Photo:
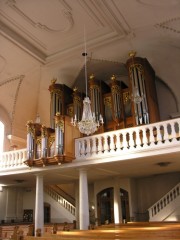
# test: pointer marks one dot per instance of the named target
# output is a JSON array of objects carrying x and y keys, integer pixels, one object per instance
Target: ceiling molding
[
  {"x": 104, "y": 13},
  {"x": 18, "y": 78},
  {"x": 66, "y": 13},
  {"x": 18, "y": 40}
]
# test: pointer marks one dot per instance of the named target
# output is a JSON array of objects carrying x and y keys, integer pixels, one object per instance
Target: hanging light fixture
[{"x": 88, "y": 124}]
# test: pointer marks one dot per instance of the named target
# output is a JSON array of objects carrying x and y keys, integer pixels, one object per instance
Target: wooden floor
[{"x": 154, "y": 231}]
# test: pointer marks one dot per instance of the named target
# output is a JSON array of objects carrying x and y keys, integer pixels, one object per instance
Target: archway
[
  {"x": 1, "y": 137},
  {"x": 124, "y": 197},
  {"x": 105, "y": 206}
]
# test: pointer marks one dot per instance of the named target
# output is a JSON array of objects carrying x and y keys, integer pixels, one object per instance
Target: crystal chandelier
[{"x": 88, "y": 124}]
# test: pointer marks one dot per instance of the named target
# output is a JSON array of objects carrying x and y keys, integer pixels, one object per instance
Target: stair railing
[
  {"x": 164, "y": 201},
  {"x": 62, "y": 201}
]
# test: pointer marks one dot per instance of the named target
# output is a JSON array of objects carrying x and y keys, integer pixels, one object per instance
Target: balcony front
[{"x": 131, "y": 152}]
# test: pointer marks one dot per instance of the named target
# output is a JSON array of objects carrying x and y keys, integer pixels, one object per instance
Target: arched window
[{"x": 1, "y": 136}]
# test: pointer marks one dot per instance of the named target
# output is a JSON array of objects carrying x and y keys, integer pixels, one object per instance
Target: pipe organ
[
  {"x": 143, "y": 90},
  {"x": 116, "y": 99},
  {"x": 122, "y": 105},
  {"x": 61, "y": 95}
]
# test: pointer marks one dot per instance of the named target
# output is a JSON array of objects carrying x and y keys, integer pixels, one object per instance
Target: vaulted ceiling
[{"x": 43, "y": 39}]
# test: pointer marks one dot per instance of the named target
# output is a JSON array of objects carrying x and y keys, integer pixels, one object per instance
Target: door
[
  {"x": 47, "y": 212},
  {"x": 105, "y": 206},
  {"x": 125, "y": 205}
]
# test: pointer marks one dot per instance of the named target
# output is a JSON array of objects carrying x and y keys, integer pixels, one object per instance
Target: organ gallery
[{"x": 120, "y": 104}]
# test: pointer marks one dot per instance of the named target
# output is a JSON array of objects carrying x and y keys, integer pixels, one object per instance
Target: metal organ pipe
[
  {"x": 44, "y": 142},
  {"x": 95, "y": 96},
  {"x": 116, "y": 99},
  {"x": 139, "y": 96},
  {"x": 56, "y": 100},
  {"x": 59, "y": 135},
  {"x": 30, "y": 140}
]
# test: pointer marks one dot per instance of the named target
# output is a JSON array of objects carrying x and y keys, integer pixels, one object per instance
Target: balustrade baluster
[
  {"x": 106, "y": 145},
  {"x": 21, "y": 158},
  {"x": 99, "y": 145},
  {"x": 137, "y": 138},
  {"x": 151, "y": 136},
  {"x": 111, "y": 143},
  {"x": 16, "y": 159},
  {"x": 81, "y": 148},
  {"x": 144, "y": 137},
  {"x": 166, "y": 135},
  {"x": 125, "y": 141},
  {"x": 131, "y": 140},
  {"x": 159, "y": 135},
  {"x": 88, "y": 147},
  {"x": 121, "y": 141},
  {"x": 118, "y": 142},
  {"x": 173, "y": 132},
  {"x": 93, "y": 145}
]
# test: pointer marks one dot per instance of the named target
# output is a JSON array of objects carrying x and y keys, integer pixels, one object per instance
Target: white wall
[
  {"x": 151, "y": 189},
  {"x": 165, "y": 95},
  {"x": 3, "y": 197}
]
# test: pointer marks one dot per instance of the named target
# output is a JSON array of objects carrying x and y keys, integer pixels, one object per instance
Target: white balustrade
[
  {"x": 13, "y": 159},
  {"x": 130, "y": 139},
  {"x": 160, "y": 134}
]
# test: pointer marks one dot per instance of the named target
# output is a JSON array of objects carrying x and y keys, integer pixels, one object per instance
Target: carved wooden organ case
[{"x": 120, "y": 105}]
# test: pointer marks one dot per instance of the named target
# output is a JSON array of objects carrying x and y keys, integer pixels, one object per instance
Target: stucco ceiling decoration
[
  {"x": 57, "y": 10},
  {"x": 2, "y": 63},
  {"x": 104, "y": 13},
  {"x": 13, "y": 92},
  {"x": 170, "y": 25},
  {"x": 156, "y": 3},
  {"x": 107, "y": 27}
]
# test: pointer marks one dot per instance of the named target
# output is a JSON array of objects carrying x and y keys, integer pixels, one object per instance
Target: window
[{"x": 1, "y": 136}]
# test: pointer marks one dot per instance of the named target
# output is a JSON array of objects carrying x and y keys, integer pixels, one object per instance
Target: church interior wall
[
  {"x": 3, "y": 203},
  {"x": 151, "y": 189},
  {"x": 165, "y": 95},
  {"x": 143, "y": 193}
]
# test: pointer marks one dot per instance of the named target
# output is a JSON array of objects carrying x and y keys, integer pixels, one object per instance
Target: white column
[
  {"x": 77, "y": 203},
  {"x": 83, "y": 200},
  {"x": 39, "y": 205},
  {"x": 117, "y": 203}
]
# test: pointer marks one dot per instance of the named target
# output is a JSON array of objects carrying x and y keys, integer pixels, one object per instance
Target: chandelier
[{"x": 88, "y": 124}]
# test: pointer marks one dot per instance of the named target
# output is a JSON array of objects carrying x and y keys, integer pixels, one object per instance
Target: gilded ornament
[
  {"x": 31, "y": 128},
  {"x": 126, "y": 97},
  {"x": 51, "y": 140},
  {"x": 138, "y": 66},
  {"x": 43, "y": 131},
  {"x": 54, "y": 80},
  {"x": 132, "y": 54},
  {"x": 107, "y": 102},
  {"x": 115, "y": 89},
  {"x": 113, "y": 78}
]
